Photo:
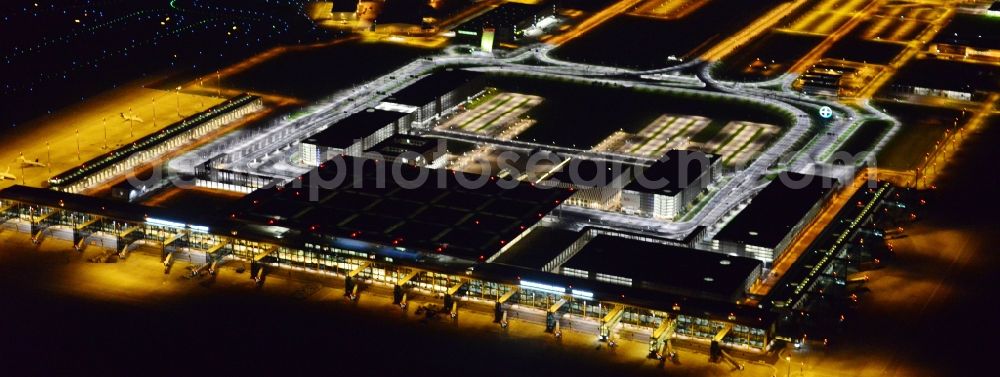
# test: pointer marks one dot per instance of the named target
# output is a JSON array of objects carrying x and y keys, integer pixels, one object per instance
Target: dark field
[
  {"x": 767, "y": 57},
  {"x": 864, "y": 137},
  {"x": 864, "y": 51},
  {"x": 921, "y": 127},
  {"x": 951, "y": 251},
  {"x": 44, "y": 68},
  {"x": 314, "y": 73},
  {"x": 948, "y": 75},
  {"x": 644, "y": 43},
  {"x": 235, "y": 332},
  {"x": 972, "y": 30},
  {"x": 584, "y": 115}
]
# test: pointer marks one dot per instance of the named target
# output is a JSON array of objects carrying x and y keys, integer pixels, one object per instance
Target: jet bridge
[
  {"x": 40, "y": 223},
  {"x": 715, "y": 350},
  {"x": 398, "y": 295},
  {"x": 500, "y": 315},
  {"x": 350, "y": 288},
  {"x": 609, "y": 322},
  {"x": 551, "y": 322},
  {"x": 82, "y": 231},
  {"x": 660, "y": 341}
]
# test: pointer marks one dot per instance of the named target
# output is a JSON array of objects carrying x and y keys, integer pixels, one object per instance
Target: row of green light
[
  {"x": 183, "y": 125},
  {"x": 840, "y": 240},
  {"x": 149, "y": 14},
  {"x": 124, "y": 51}
]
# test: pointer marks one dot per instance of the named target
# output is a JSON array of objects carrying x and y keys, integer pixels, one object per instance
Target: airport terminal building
[{"x": 443, "y": 237}]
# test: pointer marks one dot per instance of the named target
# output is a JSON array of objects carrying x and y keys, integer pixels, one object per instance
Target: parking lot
[
  {"x": 736, "y": 142},
  {"x": 494, "y": 115}
]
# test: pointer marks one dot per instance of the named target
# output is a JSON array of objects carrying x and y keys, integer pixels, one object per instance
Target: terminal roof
[
  {"x": 585, "y": 173},
  {"x": 397, "y": 145},
  {"x": 678, "y": 168},
  {"x": 432, "y": 87},
  {"x": 972, "y": 30},
  {"x": 457, "y": 214},
  {"x": 357, "y": 126},
  {"x": 538, "y": 247},
  {"x": 776, "y": 209},
  {"x": 666, "y": 268}
]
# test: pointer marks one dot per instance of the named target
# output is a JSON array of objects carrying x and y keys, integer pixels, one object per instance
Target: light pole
[
  {"x": 789, "y": 360},
  {"x": 48, "y": 153},
  {"x": 22, "y": 168},
  {"x": 131, "y": 119},
  {"x": 218, "y": 76},
  {"x": 104, "y": 123},
  {"x": 177, "y": 93},
  {"x": 154, "y": 112},
  {"x": 78, "y": 144}
]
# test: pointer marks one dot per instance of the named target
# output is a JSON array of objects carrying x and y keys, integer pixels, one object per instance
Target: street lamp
[
  {"x": 78, "y": 144},
  {"x": 154, "y": 111},
  {"x": 131, "y": 119},
  {"x": 48, "y": 152},
  {"x": 789, "y": 360}
]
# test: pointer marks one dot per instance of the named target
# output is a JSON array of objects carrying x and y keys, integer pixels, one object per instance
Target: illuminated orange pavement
[
  {"x": 593, "y": 21},
  {"x": 75, "y": 134},
  {"x": 929, "y": 171},
  {"x": 667, "y": 9},
  {"x": 912, "y": 48},
  {"x": 751, "y": 31},
  {"x": 807, "y": 61}
]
